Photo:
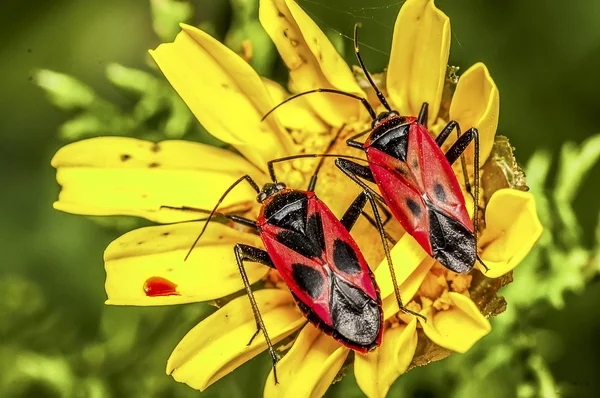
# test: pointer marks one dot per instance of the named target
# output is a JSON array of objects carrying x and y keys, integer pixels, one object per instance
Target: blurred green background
[{"x": 57, "y": 339}]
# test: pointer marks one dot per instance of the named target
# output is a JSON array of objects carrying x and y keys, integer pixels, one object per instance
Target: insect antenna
[
  {"x": 365, "y": 103},
  {"x": 313, "y": 179},
  {"x": 246, "y": 178},
  {"x": 364, "y": 68},
  {"x": 308, "y": 155}
]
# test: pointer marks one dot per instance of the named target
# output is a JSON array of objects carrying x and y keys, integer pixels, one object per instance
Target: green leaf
[
  {"x": 130, "y": 79},
  {"x": 166, "y": 16},
  {"x": 80, "y": 126},
  {"x": 575, "y": 164},
  {"x": 538, "y": 168},
  {"x": 64, "y": 91},
  {"x": 180, "y": 119},
  {"x": 246, "y": 36}
]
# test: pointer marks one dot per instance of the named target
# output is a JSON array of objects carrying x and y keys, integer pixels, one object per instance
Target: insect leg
[
  {"x": 246, "y": 178},
  {"x": 374, "y": 223},
  {"x": 236, "y": 219},
  {"x": 249, "y": 253},
  {"x": 351, "y": 141},
  {"x": 348, "y": 166},
  {"x": 441, "y": 138},
  {"x": 354, "y": 170},
  {"x": 422, "y": 119},
  {"x": 356, "y": 209},
  {"x": 452, "y": 155},
  {"x": 443, "y": 135},
  {"x": 367, "y": 191},
  {"x": 353, "y": 212},
  {"x": 313, "y": 179}
]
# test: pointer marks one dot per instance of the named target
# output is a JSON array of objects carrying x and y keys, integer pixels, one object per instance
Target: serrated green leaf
[
  {"x": 566, "y": 275},
  {"x": 575, "y": 163}
]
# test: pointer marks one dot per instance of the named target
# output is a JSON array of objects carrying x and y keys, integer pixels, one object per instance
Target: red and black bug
[
  {"x": 415, "y": 177},
  {"x": 316, "y": 257}
]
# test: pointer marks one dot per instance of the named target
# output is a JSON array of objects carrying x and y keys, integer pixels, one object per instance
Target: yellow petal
[
  {"x": 309, "y": 368},
  {"x": 408, "y": 288},
  {"x": 476, "y": 103},
  {"x": 297, "y": 114},
  {"x": 135, "y": 260},
  {"x": 420, "y": 49},
  {"x": 457, "y": 328},
  {"x": 407, "y": 255},
  {"x": 225, "y": 93},
  {"x": 377, "y": 371},
  {"x": 512, "y": 229},
  {"x": 311, "y": 58},
  {"x": 218, "y": 344},
  {"x": 126, "y": 176}
]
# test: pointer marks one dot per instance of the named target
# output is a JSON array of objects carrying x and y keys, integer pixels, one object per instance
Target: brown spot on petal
[
  {"x": 125, "y": 157},
  {"x": 155, "y": 147},
  {"x": 153, "y": 165}
]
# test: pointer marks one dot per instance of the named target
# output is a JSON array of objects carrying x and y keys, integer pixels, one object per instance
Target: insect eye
[
  {"x": 280, "y": 186},
  {"x": 261, "y": 197}
]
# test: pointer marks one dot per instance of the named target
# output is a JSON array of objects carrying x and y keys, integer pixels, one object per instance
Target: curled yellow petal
[
  {"x": 407, "y": 255},
  {"x": 309, "y": 368},
  {"x": 458, "y": 327},
  {"x": 218, "y": 344},
  {"x": 126, "y": 176},
  {"x": 408, "y": 288},
  {"x": 512, "y": 228},
  {"x": 225, "y": 94},
  {"x": 476, "y": 103},
  {"x": 420, "y": 49},
  {"x": 146, "y": 266},
  {"x": 297, "y": 114},
  {"x": 311, "y": 58},
  {"x": 376, "y": 371}
]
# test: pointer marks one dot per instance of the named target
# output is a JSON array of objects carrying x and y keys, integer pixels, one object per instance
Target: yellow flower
[{"x": 125, "y": 176}]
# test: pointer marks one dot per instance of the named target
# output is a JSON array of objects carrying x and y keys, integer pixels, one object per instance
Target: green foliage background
[{"x": 74, "y": 69}]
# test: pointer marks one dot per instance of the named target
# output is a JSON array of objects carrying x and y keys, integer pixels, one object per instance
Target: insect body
[
  {"x": 323, "y": 267},
  {"x": 418, "y": 184},
  {"x": 316, "y": 257},
  {"x": 415, "y": 177}
]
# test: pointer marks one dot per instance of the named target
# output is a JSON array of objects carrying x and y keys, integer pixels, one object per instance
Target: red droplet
[{"x": 158, "y": 286}]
